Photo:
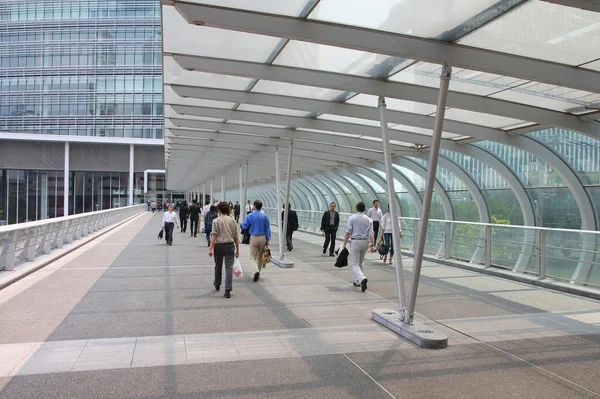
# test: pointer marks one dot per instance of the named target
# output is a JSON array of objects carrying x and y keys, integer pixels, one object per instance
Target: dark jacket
[
  {"x": 326, "y": 220},
  {"x": 236, "y": 209},
  {"x": 342, "y": 259},
  {"x": 208, "y": 219},
  {"x": 194, "y": 212},
  {"x": 292, "y": 224},
  {"x": 184, "y": 212}
]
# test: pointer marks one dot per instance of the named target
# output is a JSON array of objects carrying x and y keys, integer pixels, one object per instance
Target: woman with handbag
[
  {"x": 225, "y": 245},
  {"x": 386, "y": 229}
]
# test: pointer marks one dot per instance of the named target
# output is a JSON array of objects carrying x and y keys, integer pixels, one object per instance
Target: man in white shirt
[
  {"x": 360, "y": 229},
  {"x": 169, "y": 222},
  {"x": 375, "y": 215}
]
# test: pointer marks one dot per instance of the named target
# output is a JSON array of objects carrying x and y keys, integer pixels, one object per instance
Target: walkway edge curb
[{"x": 20, "y": 274}]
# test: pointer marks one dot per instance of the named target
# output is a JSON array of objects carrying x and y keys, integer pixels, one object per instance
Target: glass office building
[
  {"x": 82, "y": 67},
  {"x": 90, "y": 68}
]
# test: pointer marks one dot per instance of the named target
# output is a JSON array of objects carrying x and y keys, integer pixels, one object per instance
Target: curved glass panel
[
  {"x": 481, "y": 173},
  {"x": 464, "y": 206},
  {"x": 579, "y": 151},
  {"x": 361, "y": 190},
  {"x": 504, "y": 207},
  {"x": 408, "y": 208},
  {"x": 416, "y": 180},
  {"x": 532, "y": 171},
  {"x": 447, "y": 179},
  {"x": 555, "y": 208},
  {"x": 397, "y": 184}
]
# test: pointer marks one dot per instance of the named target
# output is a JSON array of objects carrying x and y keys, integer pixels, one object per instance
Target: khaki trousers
[
  {"x": 358, "y": 250},
  {"x": 257, "y": 251}
]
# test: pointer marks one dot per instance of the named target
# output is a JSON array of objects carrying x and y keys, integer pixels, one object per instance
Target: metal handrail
[
  {"x": 542, "y": 251},
  {"x": 24, "y": 242}
]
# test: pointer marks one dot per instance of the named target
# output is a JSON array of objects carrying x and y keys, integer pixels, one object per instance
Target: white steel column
[
  {"x": 242, "y": 193},
  {"x": 287, "y": 194},
  {"x": 223, "y": 189},
  {"x": 245, "y": 191},
  {"x": 212, "y": 193},
  {"x": 278, "y": 202},
  {"x": 131, "y": 171},
  {"x": 66, "y": 180},
  {"x": 394, "y": 213},
  {"x": 433, "y": 159},
  {"x": 203, "y": 195}
]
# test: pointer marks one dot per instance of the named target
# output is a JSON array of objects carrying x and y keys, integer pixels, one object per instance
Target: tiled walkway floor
[{"x": 127, "y": 316}]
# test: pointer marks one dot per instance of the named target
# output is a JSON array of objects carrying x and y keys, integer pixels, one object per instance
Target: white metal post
[
  {"x": 212, "y": 193},
  {"x": 287, "y": 194},
  {"x": 245, "y": 191},
  {"x": 131, "y": 171},
  {"x": 66, "y": 180},
  {"x": 433, "y": 159},
  {"x": 223, "y": 189},
  {"x": 278, "y": 201},
  {"x": 203, "y": 195},
  {"x": 394, "y": 213},
  {"x": 241, "y": 192}
]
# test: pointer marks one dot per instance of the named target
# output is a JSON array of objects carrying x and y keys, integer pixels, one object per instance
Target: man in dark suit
[
  {"x": 292, "y": 225},
  {"x": 236, "y": 211},
  {"x": 184, "y": 213},
  {"x": 329, "y": 226},
  {"x": 194, "y": 217}
]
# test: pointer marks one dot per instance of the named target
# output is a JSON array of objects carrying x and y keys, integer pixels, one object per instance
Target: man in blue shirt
[{"x": 258, "y": 225}]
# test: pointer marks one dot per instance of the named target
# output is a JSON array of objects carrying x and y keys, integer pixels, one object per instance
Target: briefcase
[
  {"x": 160, "y": 234},
  {"x": 267, "y": 256}
]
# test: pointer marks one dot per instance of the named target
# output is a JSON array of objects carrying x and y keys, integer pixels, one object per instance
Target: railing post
[
  {"x": 60, "y": 234},
  {"x": 542, "y": 251},
  {"x": 30, "y": 244},
  {"x": 447, "y": 239},
  {"x": 488, "y": 246},
  {"x": 415, "y": 234},
  {"x": 10, "y": 252},
  {"x": 47, "y": 242}
]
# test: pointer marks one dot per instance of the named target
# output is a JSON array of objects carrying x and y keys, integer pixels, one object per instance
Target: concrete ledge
[
  {"x": 418, "y": 333},
  {"x": 13, "y": 276},
  {"x": 283, "y": 263}
]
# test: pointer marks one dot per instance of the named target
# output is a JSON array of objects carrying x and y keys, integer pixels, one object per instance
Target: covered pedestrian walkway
[{"x": 127, "y": 316}]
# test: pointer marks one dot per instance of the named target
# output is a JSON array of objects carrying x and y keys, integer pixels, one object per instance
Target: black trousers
[
  {"x": 169, "y": 232},
  {"x": 224, "y": 253},
  {"x": 194, "y": 226},
  {"x": 237, "y": 217},
  {"x": 183, "y": 223},
  {"x": 375, "y": 229},
  {"x": 330, "y": 233},
  {"x": 288, "y": 239}
]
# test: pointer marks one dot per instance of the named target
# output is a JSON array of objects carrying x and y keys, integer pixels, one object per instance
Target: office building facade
[{"x": 80, "y": 88}]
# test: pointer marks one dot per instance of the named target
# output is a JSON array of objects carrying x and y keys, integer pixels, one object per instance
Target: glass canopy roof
[{"x": 312, "y": 70}]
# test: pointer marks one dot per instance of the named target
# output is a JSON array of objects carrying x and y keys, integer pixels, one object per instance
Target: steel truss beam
[
  {"x": 335, "y": 108},
  {"x": 392, "y": 44},
  {"x": 404, "y": 91}
]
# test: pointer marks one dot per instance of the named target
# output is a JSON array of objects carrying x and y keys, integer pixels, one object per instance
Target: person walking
[
  {"x": 225, "y": 244},
  {"x": 330, "y": 222},
  {"x": 236, "y": 211},
  {"x": 194, "y": 214},
  {"x": 386, "y": 230},
  {"x": 153, "y": 206},
  {"x": 360, "y": 229},
  {"x": 375, "y": 215},
  {"x": 208, "y": 220},
  {"x": 184, "y": 214},
  {"x": 292, "y": 225},
  {"x": 248, "y": 208},
  {"x": 258, "y": 225},
  {"x": 148, "y": 206},
  {"x": 169, "y": 221}
]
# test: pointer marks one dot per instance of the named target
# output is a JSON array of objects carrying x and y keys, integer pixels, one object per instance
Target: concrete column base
[
  {"x": 418, "y": 333},
  {"x": 283, "y": 263}
]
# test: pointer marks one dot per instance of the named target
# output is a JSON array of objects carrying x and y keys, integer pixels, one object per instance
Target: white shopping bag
[{"x": 237, "y": 268}]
